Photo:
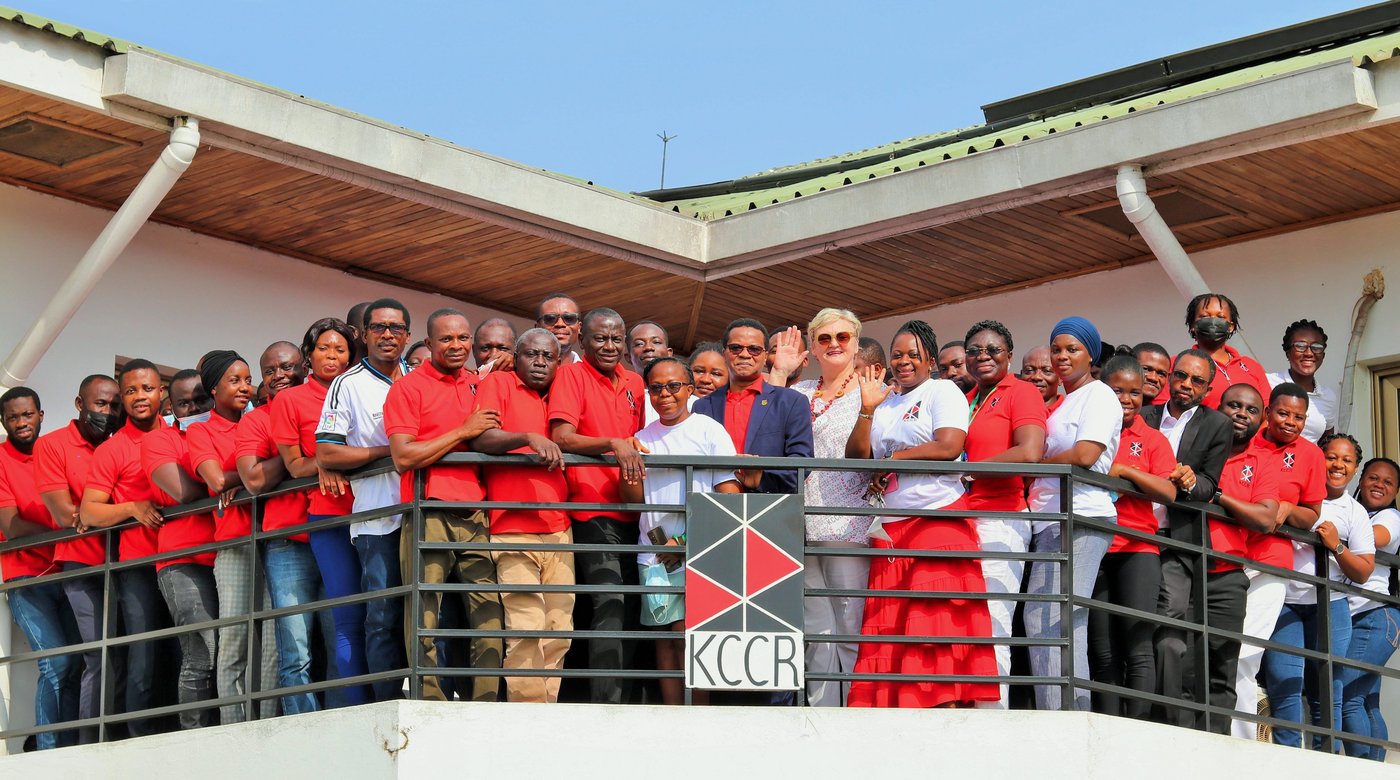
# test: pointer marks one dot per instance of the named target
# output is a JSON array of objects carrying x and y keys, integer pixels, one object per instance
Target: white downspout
[
  {"x": 1142, "y": 212},
  {"x": 152, "y": 189}
]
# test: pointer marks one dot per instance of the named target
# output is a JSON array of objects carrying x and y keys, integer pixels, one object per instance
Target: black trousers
[
  {"x": 86, "y": 598},
  {"x": 148, "y": 664},
  {"x": 1178, "y": 672},
  {"x": 611, "y": 611},
  {"x": 1120, "y": 648}
]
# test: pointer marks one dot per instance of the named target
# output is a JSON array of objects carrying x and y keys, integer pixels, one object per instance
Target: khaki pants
[
  {"x": 536, "y": 611},
  {"x": 483, "y": 609}
]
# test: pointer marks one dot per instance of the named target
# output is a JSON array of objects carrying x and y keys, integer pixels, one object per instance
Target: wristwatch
[
  {"x": 1340, "y": 548},
  {"x": 1215, "y": 499}
]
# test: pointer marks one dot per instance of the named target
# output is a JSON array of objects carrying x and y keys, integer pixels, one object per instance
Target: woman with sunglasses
[
  {"x": 1375, "y": 626},
  {"x": 1007, "y": 426},
  {"x": 834, "y": 402},
  {"x": 927, "y": 420},
  {"x": 1305, "y": 346}
]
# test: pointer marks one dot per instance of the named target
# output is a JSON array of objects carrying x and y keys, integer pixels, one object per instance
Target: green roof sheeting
[{"x": 115, "y": 45}]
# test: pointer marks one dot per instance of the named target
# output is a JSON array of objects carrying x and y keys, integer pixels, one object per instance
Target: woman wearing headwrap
[
  {"x": 213, "y": 453},
  {"x": 1082, "y": 431}
]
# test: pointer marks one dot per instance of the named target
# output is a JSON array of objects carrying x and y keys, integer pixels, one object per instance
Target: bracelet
[{"x": 864, "y": 416}]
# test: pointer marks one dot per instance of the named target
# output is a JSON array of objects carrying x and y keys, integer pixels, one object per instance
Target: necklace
[{"x": 812, "y": 407}]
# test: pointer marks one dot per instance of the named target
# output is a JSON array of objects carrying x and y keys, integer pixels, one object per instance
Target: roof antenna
[{"x": 665, "y": 139}]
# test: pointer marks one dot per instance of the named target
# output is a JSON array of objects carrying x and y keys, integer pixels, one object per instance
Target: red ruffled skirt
[{"x": 889, "y": 616}]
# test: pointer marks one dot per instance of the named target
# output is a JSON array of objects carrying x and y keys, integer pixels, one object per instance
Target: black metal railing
[{"x": 1197, "y": 627}]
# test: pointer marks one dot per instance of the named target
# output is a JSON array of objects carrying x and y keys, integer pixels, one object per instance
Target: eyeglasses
[
  {"x": 670, "y": 387},
  {"x": 569, "y": 318},
  {"x": 842, "y": 338},
  {"x": 396, "y": 328},
  {"x": 990, "y": 352},
  {"x": 1315, "y": 347},
  {"x": 1196, "y": 381},
  {"x": 754, "y": 350}
]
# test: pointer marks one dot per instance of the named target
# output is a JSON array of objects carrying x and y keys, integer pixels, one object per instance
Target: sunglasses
[
  {"x": 671, "y": 387},
  {"x": 569, "y": 318},
  {"x": 990, "y": 352},
  {"x": 842, "y": 338},
  {"x": 396, "y": 328},
  {"x": 1316, "y": 347},
  {"x": 754, "y": 350},
  {"x": 1196, "y": 381}
]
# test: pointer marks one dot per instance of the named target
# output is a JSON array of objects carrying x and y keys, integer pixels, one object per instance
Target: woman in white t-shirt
[
  {"x": 676, "y": 432},
  {"x": 1305, "y": 346},
  {"x": 927, "y": 420},
  {"x": 1375, "y": 626},
  {"x": 1344, "y": 529},
  {"x": 1083, "y": 431}
]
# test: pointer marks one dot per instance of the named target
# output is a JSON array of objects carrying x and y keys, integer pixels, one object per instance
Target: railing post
[
  {"x": 415, "y": 672},
  {"x": 1200, "y": 613},
  {"x": 685, "y": 499},
  {"x": 107, "y": 689},
  {"x": 1067, "y": 590},
  {"x": 254, "y": 663},
  {"x": 1325, "y": 671}
]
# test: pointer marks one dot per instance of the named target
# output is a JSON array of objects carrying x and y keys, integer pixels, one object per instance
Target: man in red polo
[
  {"x": 1212, "y": 319},
  {"x": 595, "y": 408},
  {"x": 519, "y": 397},
  {"x": 428, "y": 414},
  {"x": 61, "y": 462}
]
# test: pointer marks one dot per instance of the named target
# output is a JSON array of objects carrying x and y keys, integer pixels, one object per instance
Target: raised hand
[{"x": 873, "y": 390}]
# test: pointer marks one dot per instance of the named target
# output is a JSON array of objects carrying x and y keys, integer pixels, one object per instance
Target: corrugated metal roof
[
  {"x": 1362, "y": 53},
  {"x": 114, "y": 45}
]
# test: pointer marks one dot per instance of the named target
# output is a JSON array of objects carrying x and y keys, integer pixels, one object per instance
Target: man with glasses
[
  {"x": 350, "y": 436},
  {"x": 558, "y": 313},
  {"x": 1200, "y": 437}
]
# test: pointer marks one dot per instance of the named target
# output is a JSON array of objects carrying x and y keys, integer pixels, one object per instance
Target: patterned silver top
[{"x": 835, "y": 488}]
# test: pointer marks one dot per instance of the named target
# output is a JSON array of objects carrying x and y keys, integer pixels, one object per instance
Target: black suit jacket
[{"x": 1205, "y": 446}]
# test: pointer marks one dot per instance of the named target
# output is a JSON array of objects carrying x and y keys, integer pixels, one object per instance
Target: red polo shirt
[
  {"x": 19, "y": 490},
  {"x": 216, "y": 439},
  {"x": 1145, "y": 449},
  {"x": 1238, "y": 369},
  {"x": 116, "y": 471},
  {"x": 61, "y": 462},
  {"x": 165, "y": 446},
  {"x": 1302, "y": 479},
  {"x": 425, "y": 404},
  {"x": 296, "y": 412},
  {"x": 1246, "y": 477},
  {"x": 584, "y": 398},
  {"x": 522, "y": 411},
  {"x": 738, "y": 408},
  {"x": 254, "y": 439},
  {"x": 1012, "y": 404}
]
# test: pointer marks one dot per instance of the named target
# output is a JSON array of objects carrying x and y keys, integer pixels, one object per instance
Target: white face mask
[
  {"x": 168, "y": 419},
  {"x": 186, "y": 422}
]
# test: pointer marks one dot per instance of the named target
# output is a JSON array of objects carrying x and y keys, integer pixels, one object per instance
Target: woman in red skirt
[{"x": 927, "y": 420}]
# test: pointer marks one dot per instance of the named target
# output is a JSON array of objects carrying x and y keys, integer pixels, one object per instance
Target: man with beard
[
  {"x": 428, "y": 414},
  {"x": 519, "y": 398},
  {"x": 41, "y": 611},
  {"x": 595, "y": 408},
  {"x": 558, "y": 313},
  {"x": 952, "y": 365},
  {"x": 1212, "y": 320},
  {"x": 1200, "y": 437},
  {"x": 1156, "y": 368},
  {"x": 1036, "y": 369},
  {"x": 61, "y": 462}
]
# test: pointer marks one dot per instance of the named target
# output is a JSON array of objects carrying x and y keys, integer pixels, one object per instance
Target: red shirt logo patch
[
  {"x": 1136, "y": 449},
  {"x": 1287, "y": 461},
  {"x": 1247, "y": 475}
]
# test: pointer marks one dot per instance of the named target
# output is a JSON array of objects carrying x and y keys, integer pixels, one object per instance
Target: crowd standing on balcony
[{"x": 1206, "y": 424}]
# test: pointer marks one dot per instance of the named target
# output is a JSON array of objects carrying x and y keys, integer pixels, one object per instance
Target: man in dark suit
[
  {"x": 1201, "y": 438},
  {"x": 762, "y": 419}
]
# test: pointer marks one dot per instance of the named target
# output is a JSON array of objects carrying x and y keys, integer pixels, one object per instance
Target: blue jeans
[
  {"x": 1042, "y": 618},
  {"x": 1288, "y": 679},
  {"x": 292, "y": 580},
  {"x": 384, "y": 647},
  {"x": 1375, "y": 634},
  {"x": 340, "y": 573},
  {"x": 43, "y": 614}
]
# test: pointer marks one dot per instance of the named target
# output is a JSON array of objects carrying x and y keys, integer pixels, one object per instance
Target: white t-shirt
[
  {"x": 1379, "y": 581},
  {"x": 909, "y": 420},
  {"x": 1353, "y": 527},
  {"x": 695, "y": 435},
  {"x": 353, "y": 414},
  {"x": 1091, "y": 413},
  {"x": 1322, "y": 406}
]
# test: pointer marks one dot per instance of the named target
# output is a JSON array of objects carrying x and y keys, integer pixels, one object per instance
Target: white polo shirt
[{"x": 353, "y": 414}]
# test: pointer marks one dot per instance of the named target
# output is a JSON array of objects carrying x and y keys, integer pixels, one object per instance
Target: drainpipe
[
  {"x": 1142, "y": 212},
  {"x": 174, "y": 160}
]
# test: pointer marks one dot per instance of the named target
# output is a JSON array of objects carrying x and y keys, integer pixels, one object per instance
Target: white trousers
[
  {"x": 1262, "y": 607},
  {"x": 1002, "y": 576},
  {"x": 832, "y": 615}
]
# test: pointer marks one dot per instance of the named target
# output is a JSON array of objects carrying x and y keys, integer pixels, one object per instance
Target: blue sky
[{"x": 584, "y": 87}]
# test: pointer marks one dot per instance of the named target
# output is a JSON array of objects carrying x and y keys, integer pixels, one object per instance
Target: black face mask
[
  {"x": 1214, "y": 330},
  {"x": 98, "y": 425}
]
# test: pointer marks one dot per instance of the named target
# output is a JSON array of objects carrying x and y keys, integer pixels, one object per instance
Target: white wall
[{"x": 171, "y": 297}]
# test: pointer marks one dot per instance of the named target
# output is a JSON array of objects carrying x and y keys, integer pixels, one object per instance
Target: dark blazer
[
  {"x": 780, "y": 425},
  {"x": 1205, "y": 446}
]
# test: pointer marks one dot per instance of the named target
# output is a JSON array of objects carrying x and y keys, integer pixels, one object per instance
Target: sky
[{"x": 584, "y": 88}]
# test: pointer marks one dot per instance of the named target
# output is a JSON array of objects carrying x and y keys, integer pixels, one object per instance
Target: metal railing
[{"x": 411, "y": 592}]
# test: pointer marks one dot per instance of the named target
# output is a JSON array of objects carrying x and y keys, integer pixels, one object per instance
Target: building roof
[{"x": 80, "y": 34}]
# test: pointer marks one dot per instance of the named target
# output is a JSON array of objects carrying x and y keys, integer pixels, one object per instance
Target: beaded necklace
[{"x": 812, "y": 407}]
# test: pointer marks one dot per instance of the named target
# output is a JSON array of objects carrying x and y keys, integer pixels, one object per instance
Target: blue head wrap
[{"x": 1083, "y": 331}]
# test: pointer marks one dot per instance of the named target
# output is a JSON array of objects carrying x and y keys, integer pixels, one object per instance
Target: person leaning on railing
[
  {"x": 1375, "y": 626},
  {"x": 927, "y": 420},
  {"x": 1344, "y": 529}
]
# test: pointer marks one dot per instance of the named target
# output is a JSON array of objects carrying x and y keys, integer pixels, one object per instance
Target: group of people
[{"x": 1205, "y": 425}]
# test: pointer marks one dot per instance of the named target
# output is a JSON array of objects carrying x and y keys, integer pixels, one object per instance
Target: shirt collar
[
  {"x": 1175, "y": 421},
  {"x": 12, "y": 451},
  {"x": 432, "y": 371},
  {"x": 75, "y": 437},
  {"x": 754, "y": 389}
]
